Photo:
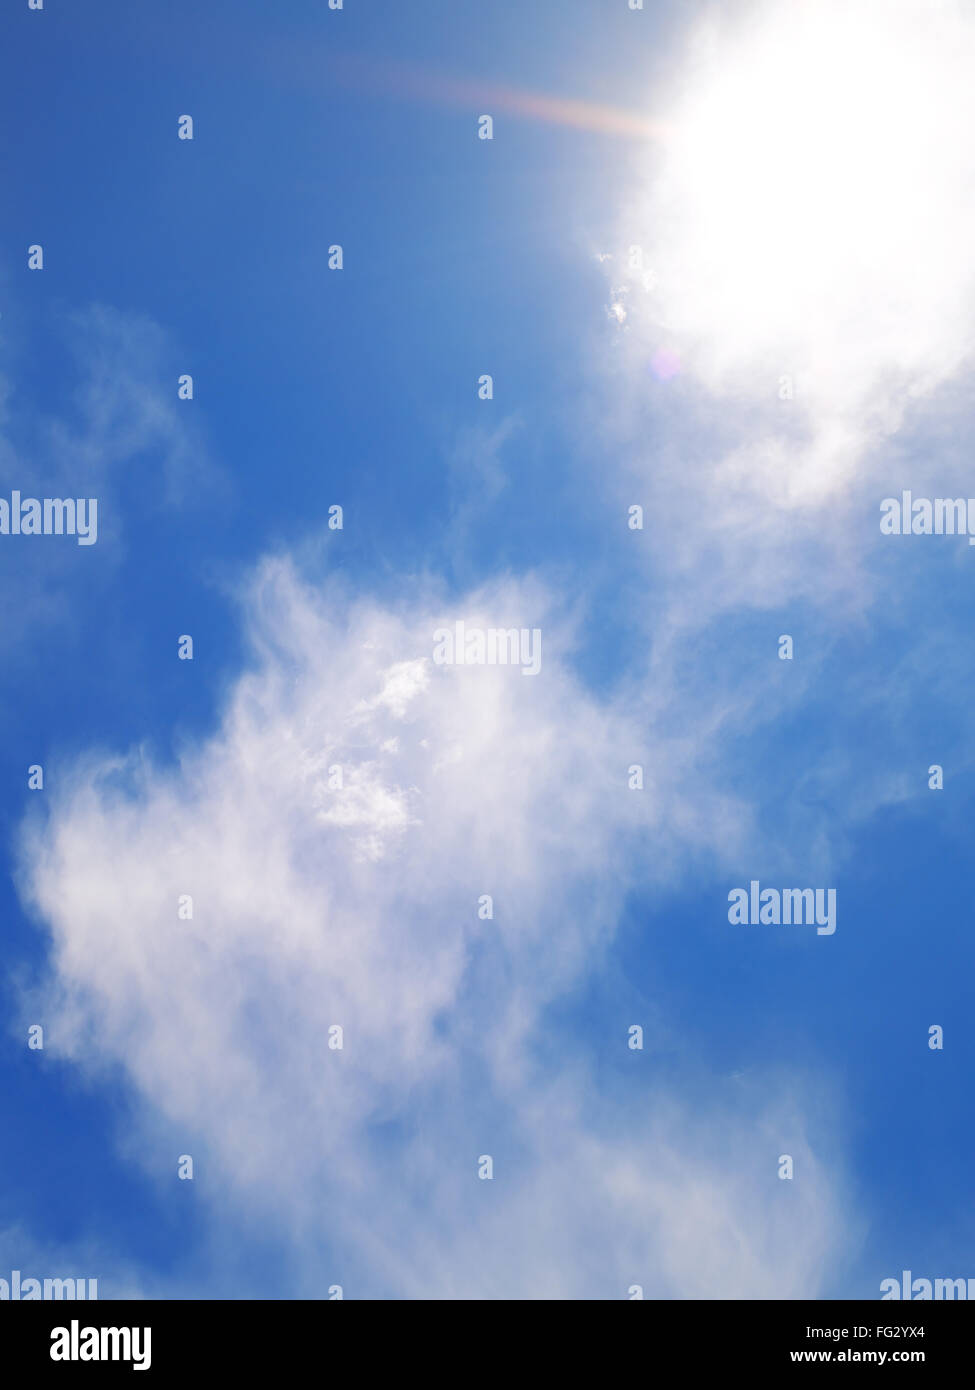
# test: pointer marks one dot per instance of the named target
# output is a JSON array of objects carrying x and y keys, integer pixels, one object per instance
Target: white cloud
[
  {"x": 314, "y": 907},
  {"x": 122, "y": 420}
]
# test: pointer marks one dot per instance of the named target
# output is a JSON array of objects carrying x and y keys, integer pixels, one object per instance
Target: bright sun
[{"x": 816, "y": 200}]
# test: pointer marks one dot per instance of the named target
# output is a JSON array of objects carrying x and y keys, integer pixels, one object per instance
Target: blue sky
[{"x": 764, "y": 255}]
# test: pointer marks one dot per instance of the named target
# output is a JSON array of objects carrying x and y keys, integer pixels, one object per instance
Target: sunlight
[{"x": 815, "y": 199}]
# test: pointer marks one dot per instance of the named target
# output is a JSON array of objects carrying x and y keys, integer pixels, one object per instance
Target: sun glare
[{"x": 816, "y": 197}]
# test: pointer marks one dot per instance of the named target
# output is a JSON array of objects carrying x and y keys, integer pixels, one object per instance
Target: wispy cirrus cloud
[
  {"x": 120, "y": 431},
  {"x": 357, "y": 905}
]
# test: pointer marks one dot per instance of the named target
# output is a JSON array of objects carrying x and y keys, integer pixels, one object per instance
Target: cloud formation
[{"x": 316, "y": 906}]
